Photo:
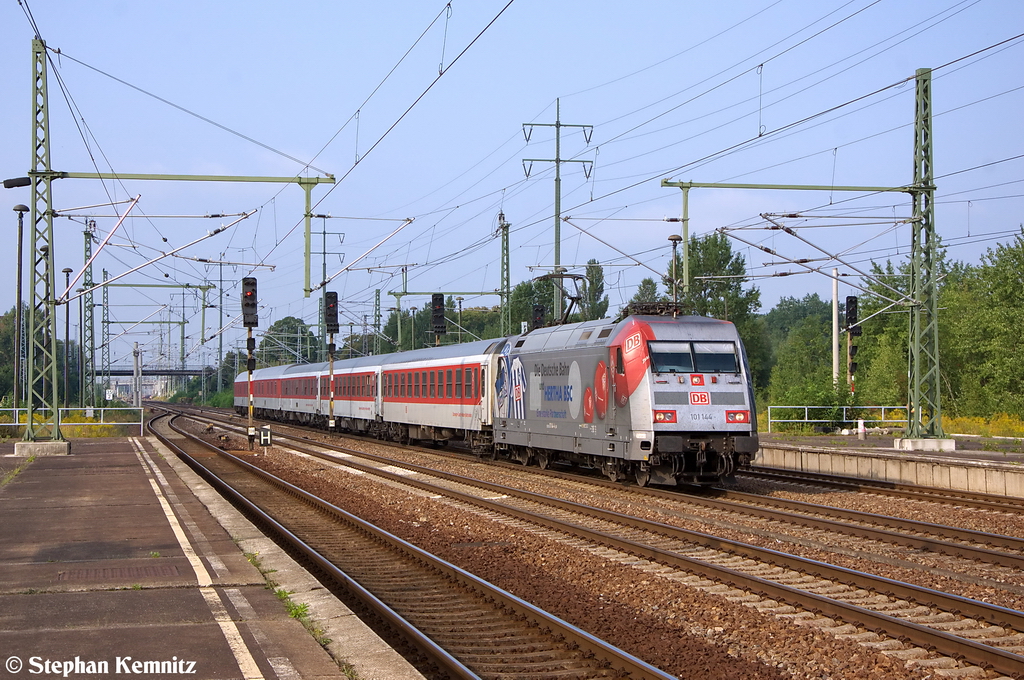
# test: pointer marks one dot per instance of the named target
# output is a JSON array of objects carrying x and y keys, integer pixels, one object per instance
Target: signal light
[
  {"x": 250, "y": 316},
  {"x": 331, "y": 312},
  {"x": 851, "y": 315},
  {"x": 737, "y": 416},
  {"x": 538, "y": 316},
  {"x": 437, "y": 314},
  {"x": 664, "y": 416}
]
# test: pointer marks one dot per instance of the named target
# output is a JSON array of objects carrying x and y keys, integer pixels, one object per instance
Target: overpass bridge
[{"x": 162, "y": 372}]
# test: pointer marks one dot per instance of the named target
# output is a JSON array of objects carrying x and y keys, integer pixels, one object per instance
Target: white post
[{"x": 835, "y": 327}]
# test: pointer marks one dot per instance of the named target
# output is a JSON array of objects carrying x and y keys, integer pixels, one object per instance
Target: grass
[
  {"x": 299, "y": 612},
  {"x": 16, "y": 471},
  {"x": 998, "y": 425}
]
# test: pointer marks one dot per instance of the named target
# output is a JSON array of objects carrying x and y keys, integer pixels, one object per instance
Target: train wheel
[
  {"x": 542, "y": 459},
  {"x": 643, "y": 477}
]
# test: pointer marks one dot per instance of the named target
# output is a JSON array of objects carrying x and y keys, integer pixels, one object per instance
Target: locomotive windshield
[
  {"x": 671, "y": 357},
  {"x": 696, "y": 357},
  {"x": 715, "y": 357}
]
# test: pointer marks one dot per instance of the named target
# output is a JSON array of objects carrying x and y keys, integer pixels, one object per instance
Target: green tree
[
  {"x": 594, "y": 303},
  {"x": 647, "y": 291},
  {"x": 716, "y": 289},
  {"x": 525, "y": 295},
  {"x": 980, "y": 335},
  {"x": 288, "y": 341}
]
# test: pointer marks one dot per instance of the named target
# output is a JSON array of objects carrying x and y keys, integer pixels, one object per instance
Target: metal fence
[
  {"x": 80, "y": 417},
  {"x": 850, "y": 414}
]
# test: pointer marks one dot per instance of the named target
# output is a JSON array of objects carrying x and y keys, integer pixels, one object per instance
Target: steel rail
[
  {"x": 933, "y": 494},
  {"x": 429, "y": 648},
  {"x": 939, "y": 545},
  {"x": 617, "y": 658},
  {"x": 946, "y": 643}
]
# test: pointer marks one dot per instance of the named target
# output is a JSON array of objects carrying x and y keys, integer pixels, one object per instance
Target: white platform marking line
[
  {"x": 243, "y": 657},
  {"x": 214, "y": 560},
  {"x": 282, "y": 665}
]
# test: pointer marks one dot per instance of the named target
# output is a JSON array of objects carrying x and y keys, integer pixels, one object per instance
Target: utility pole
[
  {"x": 506, "y": 278},
  {"x": 588, "y": 130},
  {"x": 88, "y": 325},
  {"x": 41, "y": 332},
  {"x": 925, "y": 417},
  {"x": 685, "y": 219}
]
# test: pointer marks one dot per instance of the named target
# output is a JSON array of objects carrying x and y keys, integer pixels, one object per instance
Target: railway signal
[
  {"x": 538, "y": 316},
  {"x": 437, "y": 314},
  {"x": 851, "y": 315},
  {"x": 250, "y": 314},
  {"x": 331, "y": 312},
  {"x": 852, "y": 330}
]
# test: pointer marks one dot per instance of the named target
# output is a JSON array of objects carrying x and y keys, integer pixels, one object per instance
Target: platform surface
[{"x": 110, "y": 565}]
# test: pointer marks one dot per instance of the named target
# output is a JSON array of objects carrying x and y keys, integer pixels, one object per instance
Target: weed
[
  {"x": 136, "y": 586},
  {"x": 154, "y": 553},
  {"x": 16, "y": 471}
]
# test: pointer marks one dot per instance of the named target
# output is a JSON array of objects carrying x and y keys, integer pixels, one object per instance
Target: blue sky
[{"x": 786, "y": 92}]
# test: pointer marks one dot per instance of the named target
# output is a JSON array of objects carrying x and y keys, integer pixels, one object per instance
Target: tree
[
  {"x": 287, "y": 341},
  {"x": 647, "y": 291},
  {"x": 716, "y": 290},
  {"x": 593, "y": 305},
  {"x": 716, "y": 281},
  {"x": 789, "y": 312},
  {"x": 980, "y": 333},
  {"x": 525, "y": 295}
]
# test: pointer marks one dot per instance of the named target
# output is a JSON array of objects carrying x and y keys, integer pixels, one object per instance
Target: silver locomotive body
[{"x": 665, "y": 399}]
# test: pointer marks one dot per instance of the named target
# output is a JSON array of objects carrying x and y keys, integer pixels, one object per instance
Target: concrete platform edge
[
  {"x": 996, "y": 478},
  {"x": 352, "y": 641}
]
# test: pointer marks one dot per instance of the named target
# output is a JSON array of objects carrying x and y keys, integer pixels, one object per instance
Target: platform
[
  {"x": 112, "y": 565},
  {"x": 971, "y": 467}
]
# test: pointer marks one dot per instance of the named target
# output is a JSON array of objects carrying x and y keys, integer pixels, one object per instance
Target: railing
[
  {"x": 860, "y": 411},
  {"x": 10, "y": 417}
]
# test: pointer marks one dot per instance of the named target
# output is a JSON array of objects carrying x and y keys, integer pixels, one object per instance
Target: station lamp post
[
  {"x": 459, "y": 300},
  {"x": 21, "y": 210},
  {"x": 67, "y": 330},
  {"x": 675, "y": 239},
  {"x": 412, "y": 340}
]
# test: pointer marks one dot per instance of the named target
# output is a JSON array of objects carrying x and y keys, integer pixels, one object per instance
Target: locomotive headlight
[
  {"x": 664, "y": 416},
  {"x": 737, "y": 416}
]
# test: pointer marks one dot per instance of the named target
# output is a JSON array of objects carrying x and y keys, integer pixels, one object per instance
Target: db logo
[
  {"x": 700, "y": 398},
  {"x": 633, "y": 342}
]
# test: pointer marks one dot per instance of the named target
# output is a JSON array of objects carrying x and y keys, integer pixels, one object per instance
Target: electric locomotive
[{"x": 664, "y": 399}]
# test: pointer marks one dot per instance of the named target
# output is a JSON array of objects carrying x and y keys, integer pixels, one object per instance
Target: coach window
[
  {"x": 432, "y": 393},
  {"x": 401, "y": 387},
  {"x": 469, "y": 383},
  {"x": 458, "y": 383},
  {"x": 416, "y": 384},
  {"x": 448, "y": 384}
]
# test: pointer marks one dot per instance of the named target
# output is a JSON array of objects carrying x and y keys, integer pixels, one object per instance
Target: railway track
[
  {"x": 812, "y": 480},
  {"x": 465, "y": 626},
  {"x": 851, "y": 603}
]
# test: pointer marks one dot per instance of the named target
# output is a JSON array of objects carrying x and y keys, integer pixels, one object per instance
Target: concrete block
[
  {"x": 50, "y": 448},
  {"x": 924, "y": 444},
  {"x": 976, "y": 480},
  {"x": 1015, "y": 484},
  {"x": 995, "y": 481},
  {"x": 958, "y": 479}
]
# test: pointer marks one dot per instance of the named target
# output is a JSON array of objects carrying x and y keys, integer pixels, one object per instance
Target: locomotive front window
[
  {"x": 670, "y": 357},
  {"x": 716, "y": 357}
]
